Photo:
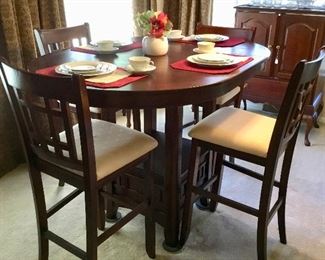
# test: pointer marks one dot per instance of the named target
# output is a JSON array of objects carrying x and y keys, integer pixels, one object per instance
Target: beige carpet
[{"x": 226, "y": 234}]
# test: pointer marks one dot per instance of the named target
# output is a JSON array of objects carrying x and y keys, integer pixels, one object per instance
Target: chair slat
[
  {"x": 50, "y": 40},
  {"x": 69, "y": 131}
]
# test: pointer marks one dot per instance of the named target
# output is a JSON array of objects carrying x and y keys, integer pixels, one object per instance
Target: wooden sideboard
[{"x": 291, "y": 35}]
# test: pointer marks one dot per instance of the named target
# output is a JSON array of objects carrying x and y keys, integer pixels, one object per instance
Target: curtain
[
  {"x": 19, "y": 17},
  {"x": 185, "y": 14},
  {"x": 17, "y": 20}
]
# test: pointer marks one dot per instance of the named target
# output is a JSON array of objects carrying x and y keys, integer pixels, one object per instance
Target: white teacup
[
  {"x": 205, "y": 46},
  {"x": 105, "y": 45},
  {"x": 175, "y": 33},
  {"x": 140, "y": 63}
]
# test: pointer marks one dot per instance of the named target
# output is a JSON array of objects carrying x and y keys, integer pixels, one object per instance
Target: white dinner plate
[
  {"x": 194, "y": 60},
  {"x": 95, "y": 68},
  {"x": 211, "y": 37},
  {"x": 215, "y": 58},
  {"x": 82, "y": 68},
  {"x": 146, "y": 71}
]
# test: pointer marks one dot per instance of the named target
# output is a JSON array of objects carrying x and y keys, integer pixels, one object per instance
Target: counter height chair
[
  {"x": 233, "y": 96},
  {"x": 50, "y": 40},
  {"x": 247, "y": 34},
  {"x": 257, "y": 139},
  {"x": 88, "y": 155}
]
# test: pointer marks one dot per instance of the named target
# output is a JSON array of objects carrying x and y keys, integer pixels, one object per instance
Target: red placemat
[
  {"x": 50, "y": 71},
  {"x": 185, "y": 65},
  {"x": 228, "y": 43},
  {"x": 132, "y": 46}
]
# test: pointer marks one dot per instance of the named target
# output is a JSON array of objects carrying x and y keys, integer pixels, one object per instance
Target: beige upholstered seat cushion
[
  {"x": 115, "y": 146},
  {"x": 226, "y": 97},
  {"x": 236, "y": 129}
]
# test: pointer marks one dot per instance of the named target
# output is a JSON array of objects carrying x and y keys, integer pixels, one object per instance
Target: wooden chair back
[
  {"x": 49, "y": 40},
  {"x": 245, "y": 33},
  {"x": 291, "y": 111},
  {"x": 32, "y": 97}
]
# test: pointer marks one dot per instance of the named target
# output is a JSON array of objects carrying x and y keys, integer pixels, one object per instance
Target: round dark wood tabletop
[{"x": 165, "y": 86}]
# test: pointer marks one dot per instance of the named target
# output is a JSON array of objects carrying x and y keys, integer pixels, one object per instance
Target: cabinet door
[
  {"x": 299, "y": 37},
  {"x": 265, "y": 24}
]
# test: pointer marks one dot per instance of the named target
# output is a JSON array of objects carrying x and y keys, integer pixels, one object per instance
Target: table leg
[
  {"x": 173, "y": 131},
  {"x": 150, "y": 120},
  {"x": 136, "y": 119},
  {"x": 109, "y": 114}
]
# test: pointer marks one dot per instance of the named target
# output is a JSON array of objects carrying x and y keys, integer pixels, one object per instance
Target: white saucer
[
  {"x": 177, "y": 38},
  {"x": 105, "y": 51},
  {"x": 147, "y": 70},
  {"x": 197, "y": 50}
]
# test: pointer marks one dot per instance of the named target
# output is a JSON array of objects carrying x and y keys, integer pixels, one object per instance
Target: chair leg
[
  {"x": 150, "y": 225},
  {"x": 283, "y": 187},
  {"x": 195, "y": 109},
  {"x": 231, "y": 159},
  {"x": 218, "y": 171},
  {"x": 262, "y": 238},
  {"x": 136, "y": 119},
  {"x": 245, "y": 104},
  {"x": 101, "y": 212},
  {"x": 112, "y": 214},
  {"x": 40, "y": 207},
  {"x": 128, "y": 117},
  {"x": 91, "y": 207},
  {"x": 188, "y": 204},
  {"x": 309, "y": 126},
  {"x": 264, "y": 209}
]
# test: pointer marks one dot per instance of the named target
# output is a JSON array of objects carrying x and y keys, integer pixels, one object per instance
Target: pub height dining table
[{"x": 170, "y": 88}]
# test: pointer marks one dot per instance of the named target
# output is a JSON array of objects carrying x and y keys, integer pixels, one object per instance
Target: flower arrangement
[{"x": 155, "y": 24}]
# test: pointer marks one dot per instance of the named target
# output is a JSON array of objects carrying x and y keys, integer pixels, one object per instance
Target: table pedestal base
[{"x": 113, "y": 219}]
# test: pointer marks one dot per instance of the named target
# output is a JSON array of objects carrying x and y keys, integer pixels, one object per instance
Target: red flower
[
  {"x": 155, "y": 24},
  {"x": 158, "y": 25}
]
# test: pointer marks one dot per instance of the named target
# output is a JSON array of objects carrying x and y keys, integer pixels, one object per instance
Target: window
[
  {"x": 224, "y": 12},
  {"x": 108, "y": 19}
]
